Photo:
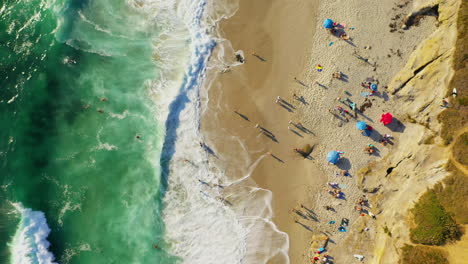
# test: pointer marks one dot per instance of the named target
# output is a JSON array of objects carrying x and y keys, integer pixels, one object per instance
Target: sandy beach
[
  {"x": 283, "y": 42},
  {"x": 268, "y": 29}
]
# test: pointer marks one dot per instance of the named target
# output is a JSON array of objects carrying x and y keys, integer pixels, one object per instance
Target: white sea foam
[
  {"x": 12, "y": 99},
  {"x": 30, "y": 245},
  {"x": 204, "y": 224},
  {"x": 119, "y": 116}
]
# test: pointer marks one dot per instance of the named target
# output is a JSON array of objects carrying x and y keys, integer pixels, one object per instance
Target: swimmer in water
[{"x": 69, "y": 61}]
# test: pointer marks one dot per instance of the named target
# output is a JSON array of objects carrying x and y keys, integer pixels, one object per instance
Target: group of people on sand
[
  {"x": 361, "y": 202},
  {"x": 341, "y": 112},
  {"x": 349, "y": 110}
]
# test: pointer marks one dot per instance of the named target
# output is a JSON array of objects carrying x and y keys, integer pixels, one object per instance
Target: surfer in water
[{"x": 70, "y": 61}]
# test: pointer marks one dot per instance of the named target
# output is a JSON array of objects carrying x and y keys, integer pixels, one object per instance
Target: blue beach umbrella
[
  {"x": 373, "y": 87},
  {"x": 333, "y": 156},
  {"x": 328, "y": 23},
  {"x": 361, "y": 125}
]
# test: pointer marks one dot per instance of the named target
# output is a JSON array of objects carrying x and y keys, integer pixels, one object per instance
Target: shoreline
[{"x": 266, "y": 27}]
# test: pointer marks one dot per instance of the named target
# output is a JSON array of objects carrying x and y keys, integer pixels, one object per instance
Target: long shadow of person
[
  {"x": 308, "y": 210},
  {"x": 270, "y": 136},
  {"x": 275, "y": 157},
  {"x": 209, "y": 150},
  {"x": 295, "y": 132},
  {"x": 299, "y": 213},
  {"x": 266, "y": 131},
  {"x": 242, "y": 115},
  {"x": 376, "y": 151},
  {"x": 305, "y": 226},
  {"x": 303, "y": 129},
  {"x": 286, "y": 107},
  {"x": 301, "y": 83},
  {"x": 363, "y": 115},
  {"x": 259, "y": 57},
  {"x": 321, "y": 85},
  {"x": 302, "y": 100},
  {"x": 288, "y": 104},
  {"x": 343, "y": 77}
]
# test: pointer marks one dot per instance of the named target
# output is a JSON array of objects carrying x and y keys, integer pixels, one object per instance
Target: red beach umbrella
[{"x": 386, "y": 118}]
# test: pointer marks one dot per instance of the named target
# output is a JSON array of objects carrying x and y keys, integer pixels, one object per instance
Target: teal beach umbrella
[
  {"x": 361, "y": 125},
  {"x": 333, "y": 156},
  {"x": 328, "y": 23}
]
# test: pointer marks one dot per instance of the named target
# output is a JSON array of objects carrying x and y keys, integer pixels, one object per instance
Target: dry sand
[{"x": 289, "y": 37}]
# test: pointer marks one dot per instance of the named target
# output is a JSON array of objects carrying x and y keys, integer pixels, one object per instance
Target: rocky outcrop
[
  {"x": 421, "y": 83},
  {"x": 416, "y": 163}
]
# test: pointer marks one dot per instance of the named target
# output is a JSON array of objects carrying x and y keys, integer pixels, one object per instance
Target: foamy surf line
[
  {"x": 205, "y": 230},
  {"x": 203, "y": 226},
  {"x": 29, "y": 244}
]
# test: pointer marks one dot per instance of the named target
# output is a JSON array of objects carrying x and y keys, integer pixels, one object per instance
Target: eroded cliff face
[{"x": 418, "y": 159}]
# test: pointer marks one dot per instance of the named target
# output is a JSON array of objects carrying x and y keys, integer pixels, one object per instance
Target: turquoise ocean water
[
  {"x": 64, "y": 150},
  {"x": 100, "y": 109}
]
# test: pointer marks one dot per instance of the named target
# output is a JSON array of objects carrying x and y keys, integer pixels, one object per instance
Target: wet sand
[{"x": 280, "y": 34}]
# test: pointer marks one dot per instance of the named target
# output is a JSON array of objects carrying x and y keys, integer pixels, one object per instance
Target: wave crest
[{"x": 30, "y": 244}]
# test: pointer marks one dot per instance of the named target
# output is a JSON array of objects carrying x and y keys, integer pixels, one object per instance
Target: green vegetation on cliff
[
  {"x": 452, "y": 194},
  {"x": 460, "y": 149},
  {"x": 438, "y": 209},
  {"x": 422, "y": 254},
  {"x": 434, "y": 225}
]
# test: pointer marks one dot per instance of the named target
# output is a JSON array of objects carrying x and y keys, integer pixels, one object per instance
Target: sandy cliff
[{"x": 418, "y": 160}]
